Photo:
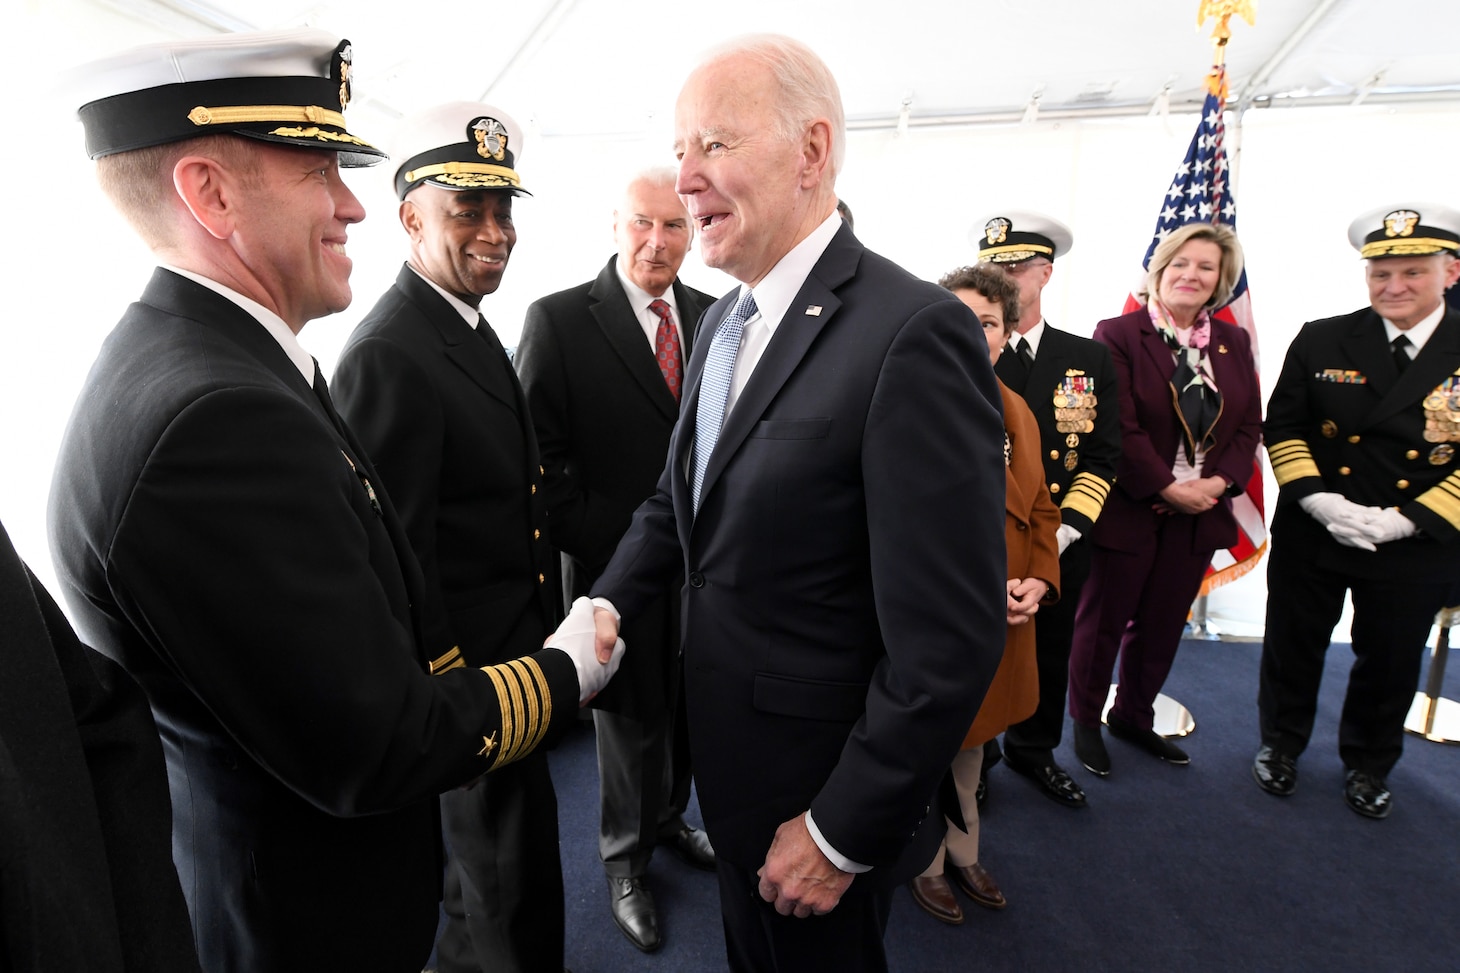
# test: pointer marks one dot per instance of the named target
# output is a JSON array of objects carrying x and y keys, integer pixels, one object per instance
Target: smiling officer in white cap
[
  {"x": 427, "y": 386},
  {"x": 1362, "y": 429},
  {"x": 1044, "y": 365},
  {"x": 220, "y": 533}
]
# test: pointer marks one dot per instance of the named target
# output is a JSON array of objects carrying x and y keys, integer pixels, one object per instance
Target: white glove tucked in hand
[
  {"x": 1388, "y": 524},
  {"x": 1334, "y": 508},
  {"x": 577, "y": 637},
  {"x": 1067, "y": 535}
]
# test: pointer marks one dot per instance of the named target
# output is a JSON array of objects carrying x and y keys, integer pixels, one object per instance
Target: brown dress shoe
[
  {"x": 979, "y": 886},
  {"x": 934, "y": 896}
]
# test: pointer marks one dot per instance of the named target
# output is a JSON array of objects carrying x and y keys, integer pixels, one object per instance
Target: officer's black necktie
[
  {"x": 321, "y": 392},
  {"x": 1400, "y": 347},
  {"x": 1025, "y": 353}
]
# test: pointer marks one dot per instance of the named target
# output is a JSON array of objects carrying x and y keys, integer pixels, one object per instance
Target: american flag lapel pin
[{"x": 813, "y": 310}]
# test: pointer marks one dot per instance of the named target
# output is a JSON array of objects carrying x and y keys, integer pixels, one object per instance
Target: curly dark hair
[{"x": 990, "y": 280}]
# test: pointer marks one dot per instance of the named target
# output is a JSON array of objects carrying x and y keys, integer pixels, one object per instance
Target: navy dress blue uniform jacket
[{"x": 220, "y": 536}]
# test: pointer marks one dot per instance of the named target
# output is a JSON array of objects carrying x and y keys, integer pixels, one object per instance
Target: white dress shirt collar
[
  {"x": 776, "y": 291},
  {"x": 1033, "y": 336},
  {"x": 468, "y": 313},
  {"x": 773, "y": 297},
  {"x": 1418, "y": 334},
  {"x": 640, "y": 299},
  {"x": 271, "y": 322}
]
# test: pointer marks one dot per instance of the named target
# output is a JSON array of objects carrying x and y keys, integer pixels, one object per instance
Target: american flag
[{"x": 1201, "y": 193}]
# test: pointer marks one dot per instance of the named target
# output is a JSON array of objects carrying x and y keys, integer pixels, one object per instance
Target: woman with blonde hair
[{"x": 1190, "y": 423}]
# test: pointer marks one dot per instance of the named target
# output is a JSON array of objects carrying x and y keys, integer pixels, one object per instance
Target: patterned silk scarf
[{"x": 1193, "y": 389}]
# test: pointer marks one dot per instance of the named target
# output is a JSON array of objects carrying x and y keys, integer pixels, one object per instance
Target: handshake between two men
[{"x": 590, "y": 638}]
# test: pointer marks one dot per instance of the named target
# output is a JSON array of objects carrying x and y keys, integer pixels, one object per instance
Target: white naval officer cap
[
  {"x": 1011, "y": 236},
  {"x": 459, "y": 145},
  {"x": 289, "y": 87},
  {"x": 1407, "y": 230}
]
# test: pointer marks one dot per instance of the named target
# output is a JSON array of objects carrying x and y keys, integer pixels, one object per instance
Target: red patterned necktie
[{"x": 666, "y": 349}]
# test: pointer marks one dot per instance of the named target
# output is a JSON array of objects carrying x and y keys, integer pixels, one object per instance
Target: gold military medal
[
  {"x": 1442, "y": 454},
  {"x": 1072, "y": 460},
  {"x": 1442, "y": 416}
]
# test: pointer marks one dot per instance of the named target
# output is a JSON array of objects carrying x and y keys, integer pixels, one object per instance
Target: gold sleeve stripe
[
  {"x": 242, "y": 114},
  {"x": 526, "y": 704},
  {"x": 512, "y": 732},
  {"x": 539, "y": 701},
  {"x": 1291, "y": 460},
  {"x": 1087, "y": 495},
  {"x": 449, "y": 660},
  {"x": 1444, "y": 499},
  {"x": 506, "y": 710}
]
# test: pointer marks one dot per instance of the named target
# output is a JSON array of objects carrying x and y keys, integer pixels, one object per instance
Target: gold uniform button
[
  {"x": 536, "y": 534},
  {"x": 534, "y": 489},
  {"x": 541, "y": 471},
  {"x": 1344, "y": 471},
  {"x": 1403, "y": 484},
  {"x": 541, "y": 578},
  {"x": 1054, "y": 454},
  {"x": 1412, "y": 454},
  {"x": 1353, "y": 439},
  {"x": 1054, "y": 488}
]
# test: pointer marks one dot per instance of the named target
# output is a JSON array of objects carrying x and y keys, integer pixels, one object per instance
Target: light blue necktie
[{"x": 715, "y": 387}]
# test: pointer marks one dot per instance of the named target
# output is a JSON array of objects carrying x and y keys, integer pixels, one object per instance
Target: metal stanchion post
[
  {"x": 1171, "y": 719},
  {"x": 1432, "y": 716}
]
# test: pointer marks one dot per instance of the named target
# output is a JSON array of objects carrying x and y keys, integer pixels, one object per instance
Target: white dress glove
[
  {"x": 1388, "y": 524},
  {"x": 1067, "y": 535},
  {"x": 576, "y": 637},
  {"x": 1334, "y": 508}
]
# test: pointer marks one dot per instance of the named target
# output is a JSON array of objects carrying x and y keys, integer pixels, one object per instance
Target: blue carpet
[{"x": 1179, "y": 868}]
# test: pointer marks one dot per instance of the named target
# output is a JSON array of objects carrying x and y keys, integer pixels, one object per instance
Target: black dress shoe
[
  {"x": 1090, "y": 749},
  {"x": 1148, "y": 740},
  {"x": 1275, "y": 771},
  {"x": 692, "y": 845},
  {"x": 1052, "y": 780},
  {"x": 934, "y": 896},
  {"x": 1367, "y": 794},
  {"x": 633, "y": 911}
]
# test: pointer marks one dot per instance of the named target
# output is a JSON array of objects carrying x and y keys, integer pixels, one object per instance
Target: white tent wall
[{"x": 73, "y": 266}]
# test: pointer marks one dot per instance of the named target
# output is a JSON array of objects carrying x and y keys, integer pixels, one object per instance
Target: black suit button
[{"x": 696, "y": 580}]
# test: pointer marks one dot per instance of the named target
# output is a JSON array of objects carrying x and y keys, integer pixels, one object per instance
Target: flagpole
[{"x": 1224, "y": 11}]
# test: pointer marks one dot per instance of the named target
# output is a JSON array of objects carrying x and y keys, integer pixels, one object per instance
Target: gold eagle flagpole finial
[{"x": 1224, "y": 11}]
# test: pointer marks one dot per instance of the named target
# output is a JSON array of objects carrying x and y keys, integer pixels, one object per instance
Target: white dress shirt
[
  {"x": 640, "y": 299},
  {"x": 1419, "y": 333}
]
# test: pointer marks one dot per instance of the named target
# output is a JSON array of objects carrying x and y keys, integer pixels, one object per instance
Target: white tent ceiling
[{"x": 611, "y": 67}]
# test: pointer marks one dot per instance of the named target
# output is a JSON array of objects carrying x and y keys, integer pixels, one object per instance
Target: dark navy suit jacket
[{"x": 843, "y": 611}]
